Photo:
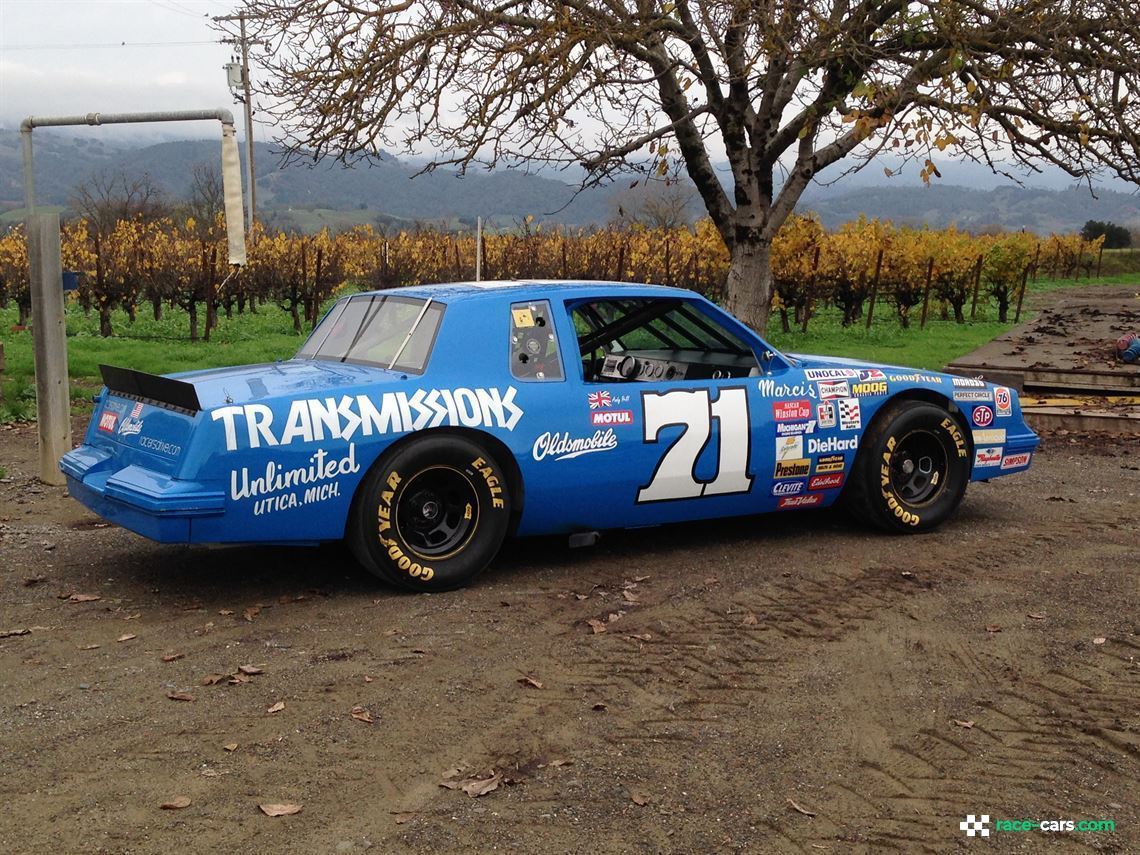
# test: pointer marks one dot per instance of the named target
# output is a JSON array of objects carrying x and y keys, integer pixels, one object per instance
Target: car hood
[
  {"x": 245, "y": 384},
  {"x": 808, "y": 360}
]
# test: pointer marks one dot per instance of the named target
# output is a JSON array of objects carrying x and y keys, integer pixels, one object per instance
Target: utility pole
[{"x": 250, "y": 176}]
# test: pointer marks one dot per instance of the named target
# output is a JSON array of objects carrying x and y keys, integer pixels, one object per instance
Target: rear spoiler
[{"x": 151, "y": 389}]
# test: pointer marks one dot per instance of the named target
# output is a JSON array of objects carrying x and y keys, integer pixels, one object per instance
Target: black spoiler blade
[{"x": 151, "y": 388}]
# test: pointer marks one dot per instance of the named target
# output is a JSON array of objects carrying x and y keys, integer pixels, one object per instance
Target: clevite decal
[{"x": 316, "y": 419}]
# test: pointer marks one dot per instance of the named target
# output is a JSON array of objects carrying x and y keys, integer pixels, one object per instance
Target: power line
[{"x": 84, "y": 46}]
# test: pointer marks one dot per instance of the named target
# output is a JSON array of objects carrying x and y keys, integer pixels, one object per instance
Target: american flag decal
[
  {"x": 599, "y": 399},
  {"x": 137, "y": 411}
]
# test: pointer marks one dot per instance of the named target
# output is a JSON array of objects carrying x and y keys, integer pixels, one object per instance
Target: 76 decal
[{"x": 695, "y": 412}]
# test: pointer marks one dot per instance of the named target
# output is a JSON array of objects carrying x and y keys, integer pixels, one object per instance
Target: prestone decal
[{"x": 315, "y": 419}]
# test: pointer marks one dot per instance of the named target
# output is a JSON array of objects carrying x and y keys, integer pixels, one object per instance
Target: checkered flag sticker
[
  {"x": 975, "y": 826},
  {"x": 849, "y": 417}
]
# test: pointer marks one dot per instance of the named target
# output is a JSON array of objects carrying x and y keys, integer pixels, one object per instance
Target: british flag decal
[{"x": 599, "y": 399}]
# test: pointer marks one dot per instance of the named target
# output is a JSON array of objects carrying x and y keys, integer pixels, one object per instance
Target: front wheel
[
  {"x": 912, "y": 469},
  {"x": 431, "y": 515}
]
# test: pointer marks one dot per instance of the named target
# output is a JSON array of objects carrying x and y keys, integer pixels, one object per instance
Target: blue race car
[{"x": 424, "y": 425}]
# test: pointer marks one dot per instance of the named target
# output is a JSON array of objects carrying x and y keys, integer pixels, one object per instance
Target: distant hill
[{"x": 307, "y": 196}]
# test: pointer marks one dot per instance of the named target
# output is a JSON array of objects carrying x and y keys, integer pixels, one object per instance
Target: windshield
[{"x": 377, "y": 329}]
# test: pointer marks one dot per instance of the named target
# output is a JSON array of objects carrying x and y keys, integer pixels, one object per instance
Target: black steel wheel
[{"x": 432, "y": 513}]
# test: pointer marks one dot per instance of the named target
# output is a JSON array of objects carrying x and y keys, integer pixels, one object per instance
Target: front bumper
[{"x": 146, "y": 502}]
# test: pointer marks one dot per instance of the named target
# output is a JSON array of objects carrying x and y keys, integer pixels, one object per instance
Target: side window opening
[{"x": 534, "y": 343}]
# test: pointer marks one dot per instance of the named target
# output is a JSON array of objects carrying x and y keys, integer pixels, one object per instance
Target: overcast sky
[{"x": 64, "y": 57}]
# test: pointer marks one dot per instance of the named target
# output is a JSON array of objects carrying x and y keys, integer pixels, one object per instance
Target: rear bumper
[{"x": 146, "y": 502}]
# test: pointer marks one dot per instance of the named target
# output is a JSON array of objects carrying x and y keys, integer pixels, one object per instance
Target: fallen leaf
[
  {"x": 176, "y": 803},
  {"x": 11, "y": 633},
  {"x": 641, "y": 636},
  {"x": 530, "y": 681},
  {"x": 361, "y": 714},
  {"x": 449, "y": 785},
  {"x": 802, "y": 810},
  {"x": 135, "y": 616},
  {"x": 236, "y": 679},
  {"x": 249, "y": 669},
  {"x": 230, "y": 746},
  {"x": 629, "y": 597},
  {"x": 391, "y": 632},
  {"x": 596, "y": 626},
  {"x": 963, "y": 723},
  {"x": 126, "y": 636},
  {"x": 280, "y": 810},
  {"x": 252, "y": 612},
  {"x": 639, "y": 798},
  {"x": 84, "y": 598},
  {"x": 213, "y": 679},
  {"x": 172, "y": 657},
  {"x": 367, "y": 679},
  {"x": 1036, "y": 615},
  {"x": 225, "y": 611},
  {"x": 581, "y": 597},
  {"x": 906, "y": 574},
  {"x": 613, "y": 616},
  {"x": 641, "y": 578},
  {"x": 90, "y": 647},
  {"x": 992, "y": 627},
  {"x": 554, "y": 764},
  {"x": 1099, "y": 640},
  {"x": 481, "y": 786},
  {"x": 179, "y": 696},
  {"x": 277, "y": 707},
  {"x": 599, "y": 707},
  {"x": 751, "y": 619},
  {"x": 401, "y": 818}
]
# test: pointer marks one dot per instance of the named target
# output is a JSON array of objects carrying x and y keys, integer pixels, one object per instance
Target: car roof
[{"x": 532, "y": 289}]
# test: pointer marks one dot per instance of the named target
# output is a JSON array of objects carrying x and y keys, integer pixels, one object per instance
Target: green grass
[{"x": 162, "y": 347}]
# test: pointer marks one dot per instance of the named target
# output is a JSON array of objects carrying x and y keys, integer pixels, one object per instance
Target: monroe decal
[{"x": 315, "y": 419}]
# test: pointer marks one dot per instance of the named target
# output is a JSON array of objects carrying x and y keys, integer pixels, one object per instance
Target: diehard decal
[
  {"x": 849, "y": 415},
  {"x": 831, "y": 444},
  {"x": 314, "y": 419},
  {"x": 561, "y": 446},
  {"x": 1003, "y": 401}
]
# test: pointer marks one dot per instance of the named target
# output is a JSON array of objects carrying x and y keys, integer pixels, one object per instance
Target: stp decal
[{"x": 983, "y": 416}]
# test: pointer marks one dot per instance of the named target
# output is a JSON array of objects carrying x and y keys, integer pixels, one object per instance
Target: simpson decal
[
  {"x": 315, "y": 419},
  {"x": 1015, "y": 461}
]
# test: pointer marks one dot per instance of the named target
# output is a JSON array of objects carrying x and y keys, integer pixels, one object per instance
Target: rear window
[{"x": 376, "y": 329}]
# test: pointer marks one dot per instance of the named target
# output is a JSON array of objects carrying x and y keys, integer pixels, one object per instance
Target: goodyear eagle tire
[
  {"x": 912, "y": 469},
  {"x": 432, "y": 514}
]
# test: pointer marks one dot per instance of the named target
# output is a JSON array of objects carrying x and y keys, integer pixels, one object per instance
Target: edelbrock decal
[
  {"x": 316, "y": 419},
  {"x": 561, "y": 446}
]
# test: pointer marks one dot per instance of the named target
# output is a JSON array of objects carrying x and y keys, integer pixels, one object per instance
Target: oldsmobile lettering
[
  {"x": 561, "y": 446},
  {"x": 315, "y": 419}
]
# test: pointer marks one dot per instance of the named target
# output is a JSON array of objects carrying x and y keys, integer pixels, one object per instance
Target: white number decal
[{"x": 675, "y": 477}]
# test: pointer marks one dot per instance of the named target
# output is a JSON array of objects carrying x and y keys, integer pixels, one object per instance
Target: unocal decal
[{"x": 317, "y": 419}]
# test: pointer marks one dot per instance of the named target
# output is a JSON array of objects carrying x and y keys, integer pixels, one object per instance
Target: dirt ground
[{"x": 774, "y": 684}]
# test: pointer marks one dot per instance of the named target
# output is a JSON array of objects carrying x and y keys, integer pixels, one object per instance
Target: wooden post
[
  {"x": 1036, "y": 260},
  {"x": 53, "y": 401},
  {"x": 1021, "y": 295},
  {"x": 1099, "y": 258},
  {"x": 977, "y": 285},
  {"x": 874, "y": 288},
  {"x": 926, "y": 292}
]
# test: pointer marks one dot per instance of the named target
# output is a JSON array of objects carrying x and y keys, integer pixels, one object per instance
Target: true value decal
[
  {"x": 276, "y": 488},
  {"x": 317, "y": 419}
]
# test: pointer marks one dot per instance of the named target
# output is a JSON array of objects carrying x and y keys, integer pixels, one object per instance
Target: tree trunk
[
  {"x": 24, "y": 311},
  {"x": 193, "y": 309},
  {"x": 748, "y": 288},
  {"x": 105, "y": 321},
  {"x": 156, "y": 307}
]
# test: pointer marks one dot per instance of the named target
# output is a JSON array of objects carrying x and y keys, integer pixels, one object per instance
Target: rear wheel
[
  {"x": 912, "y": 469},
  {"x": 431, "y": 515}
]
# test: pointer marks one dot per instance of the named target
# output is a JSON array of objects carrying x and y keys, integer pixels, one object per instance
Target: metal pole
[
  {"x": 250, "y": 179},
  {"x": 478, "y": 249},
  {"x": 53, "y": 403}
]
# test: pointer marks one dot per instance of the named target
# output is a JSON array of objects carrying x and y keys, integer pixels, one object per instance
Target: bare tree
[
  {"x": 207, "y": 197},
  {"x": 657, "y": 205},
  {"x": 109, "y": 197},
  {"x": 782, "y": 89}
]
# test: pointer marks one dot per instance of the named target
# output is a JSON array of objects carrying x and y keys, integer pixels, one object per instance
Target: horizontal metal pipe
[{"x": 221, "y": 115}]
